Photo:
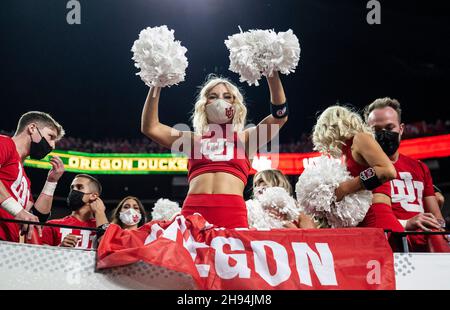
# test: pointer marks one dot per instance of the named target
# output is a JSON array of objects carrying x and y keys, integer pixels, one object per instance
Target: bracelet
[
  {"x": 49, "y": 188},
  {"x": 280, "y": 110},
  {"x": 12, "y": 206},
  {"x": 101, "y": 230},
  {"x": 369, "y": 179}
]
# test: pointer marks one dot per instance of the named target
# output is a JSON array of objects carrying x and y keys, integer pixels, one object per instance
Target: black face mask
[
  {"x": 75, "y": 200},
  {"x": 388, "y": 140},
  {"x": 39, "y": 150}
]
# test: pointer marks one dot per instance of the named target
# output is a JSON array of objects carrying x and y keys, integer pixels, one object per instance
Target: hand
[
  {"x": 70, "y": 241},
  {"x": 290, "y": 225},
  {"x": 305, "y": 221},
  {"x": 275, "y": 75},
  {"x": 340, "y": 192},
  {"x": 24, "y": 215},
  {"x": 97, "y": 206},
  {"x": 57, "y": 169},
  {"x": 424, "y": 221}
]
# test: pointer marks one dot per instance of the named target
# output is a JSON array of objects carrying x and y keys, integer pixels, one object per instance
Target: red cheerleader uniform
[
  {"x": 219, "y": 152},
  {"x": 379, "y": 215}
]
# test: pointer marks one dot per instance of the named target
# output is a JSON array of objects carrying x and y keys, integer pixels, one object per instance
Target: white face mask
[
  {"x": 130, "y": 217},
  {"x": 219, "y": 112}
]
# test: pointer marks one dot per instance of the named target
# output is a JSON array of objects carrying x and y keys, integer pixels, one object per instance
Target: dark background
[{"x": 84, "y": 76}]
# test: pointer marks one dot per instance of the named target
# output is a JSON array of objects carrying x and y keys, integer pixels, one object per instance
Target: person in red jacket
[
  {"x": 413, "y": 198},
  {"x": 36, "y": 136}
]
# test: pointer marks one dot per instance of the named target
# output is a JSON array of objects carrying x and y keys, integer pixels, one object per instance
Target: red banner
[{"x": 217, "y": 258}]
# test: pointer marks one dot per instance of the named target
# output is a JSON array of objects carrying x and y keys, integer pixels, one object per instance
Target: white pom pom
[
  {"x": 278, "y": 200},
  {"x": 257, "y": 53},
  {"x": 161, "y": 59},
  {"x": 256, "y": 215},
  {"x": 165, "y": 210},
  {"x": 272, "y": 209},
  {"x": 315, "y": 191}
]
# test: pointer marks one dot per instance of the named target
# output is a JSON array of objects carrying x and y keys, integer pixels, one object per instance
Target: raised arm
[
  {"x": 152, "y": 128},
  {"x": 43, "y": 205},
  {"x": 269, "y": 127},
  {"x": 370, "y": 151}
]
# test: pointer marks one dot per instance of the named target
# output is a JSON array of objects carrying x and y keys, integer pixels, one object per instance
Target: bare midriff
[
  {"x": 381, "y": 198},
  {"x": 216, "y": 183}
]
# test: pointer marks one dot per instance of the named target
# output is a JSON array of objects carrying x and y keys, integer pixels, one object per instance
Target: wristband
[
  {"x": 49, "y": 188},
  {"x": 279, "y": 111},
  {"x": 101, "y": 230},
  {"x": 12, "y": 206},
  {"x": 41, "y": 216},
  {"x": 369, "y": 179},
  {"x": 437, "y": 189}
]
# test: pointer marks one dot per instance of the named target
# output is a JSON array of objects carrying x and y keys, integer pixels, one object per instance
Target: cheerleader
[
  {"x": 278, "y": 209},
  {"x": 342, "y": 132},
  {"x": 219, "y": 148}
]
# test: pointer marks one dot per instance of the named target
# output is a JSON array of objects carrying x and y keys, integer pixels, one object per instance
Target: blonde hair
[
  {"x": 199, "y": 119},
  {"x": 272, "y": 178},
  {"x": 334, "y": 126},
  {"x": 42, "y": 119}
]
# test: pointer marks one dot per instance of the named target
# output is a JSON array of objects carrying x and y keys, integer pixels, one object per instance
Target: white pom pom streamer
[
  {"x": 272, "y": 209},
  {"x": 315, "y": 191},
  {"x": 257, "y": 53},
  {"x": 165, "y": 210},
  {"x": 161, "y": 59},
  {"x": 261, "y": 219},
  {"x": 278, "y": 200},
  {"x": 257, "y": 218}
]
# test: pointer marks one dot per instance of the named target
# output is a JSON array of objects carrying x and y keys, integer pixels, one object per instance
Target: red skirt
[
  {"x": 223, "y": 210},
  {"x": 380, "y": 215}
]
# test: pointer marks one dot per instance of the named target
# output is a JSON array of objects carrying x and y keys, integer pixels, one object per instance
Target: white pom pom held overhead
[
  {"x": 315, "y": 191},
  {"x": 258, "y": 53},
  {"x": 160, "y": 58}
]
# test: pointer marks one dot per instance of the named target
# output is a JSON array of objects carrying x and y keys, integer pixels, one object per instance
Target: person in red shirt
[
  {"x": 413, "y": 198},
  {"x": 342, "y": 133},
  {"x": 36, "y": 136},
  {"x": 88, "y": 210}
]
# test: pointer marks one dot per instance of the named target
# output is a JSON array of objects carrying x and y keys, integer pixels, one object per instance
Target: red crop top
[
  {"x": 220, "y": 152},
  {"x": 355, "y": 169}
]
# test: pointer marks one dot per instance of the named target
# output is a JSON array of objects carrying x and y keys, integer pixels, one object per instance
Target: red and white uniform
[
  {"x": 219, "y": 152},
  {"x": 13, "y": 177},
  {"x": 408, "y": 190},
  {"x": 379, "y": 215},
  {"x": 412, "y": 185},
  {"x": 54, "y": 235}
]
